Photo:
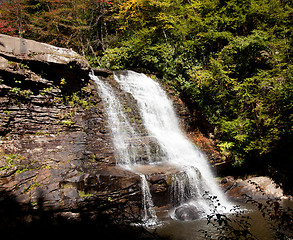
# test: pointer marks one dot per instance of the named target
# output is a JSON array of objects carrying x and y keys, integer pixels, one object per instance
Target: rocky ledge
[{"x": 251, "y": 188}]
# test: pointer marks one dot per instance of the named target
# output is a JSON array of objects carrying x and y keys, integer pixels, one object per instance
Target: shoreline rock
[{"x": 260, "y": 187}]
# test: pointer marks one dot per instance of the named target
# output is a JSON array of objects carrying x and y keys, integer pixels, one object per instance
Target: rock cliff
[{"x": 55, "y": 149}]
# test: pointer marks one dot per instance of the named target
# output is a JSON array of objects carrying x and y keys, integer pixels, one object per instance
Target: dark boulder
[{"x": 187, "y": 212}]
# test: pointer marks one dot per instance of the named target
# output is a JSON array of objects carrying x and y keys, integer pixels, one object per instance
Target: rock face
[{"x": 55, "y": 145}]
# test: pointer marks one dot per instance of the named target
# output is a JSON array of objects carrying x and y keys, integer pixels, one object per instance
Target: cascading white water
[
  {"x": 120, "y": 126},
  {"x": 173, "y": 147},
  {"x": 126, "y": 151},
  {"x": 161, "y": 122},
  {"x": 148, "y": 206}
]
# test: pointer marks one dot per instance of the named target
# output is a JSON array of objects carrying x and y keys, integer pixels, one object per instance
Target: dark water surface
[{"x": 193, "y": 230}]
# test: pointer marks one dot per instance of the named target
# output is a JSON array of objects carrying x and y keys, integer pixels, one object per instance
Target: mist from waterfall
[{"x": 167, "y": 142}]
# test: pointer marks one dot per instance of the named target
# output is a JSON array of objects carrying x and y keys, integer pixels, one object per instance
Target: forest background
[{"x": 230, "y": 60}]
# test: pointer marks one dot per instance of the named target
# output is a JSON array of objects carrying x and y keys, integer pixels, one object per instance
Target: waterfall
[
  {"x": 158, "y": 139},
  {"x": 149, "y": 213},
  {"x": 120, "y": 126}
]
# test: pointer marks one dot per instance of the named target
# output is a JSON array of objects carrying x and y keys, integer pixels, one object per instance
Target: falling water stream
[{"x": 146, "y": 132}]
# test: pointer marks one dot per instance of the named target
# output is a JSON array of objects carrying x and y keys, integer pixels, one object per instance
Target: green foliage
[
  {"x": 63, "y": 82},
  {"x": 82, "y": 194},
  {"x": 115, "y": 58},
  {"x": 11, "y": 161},
  {"x": 67, "y": 123}
]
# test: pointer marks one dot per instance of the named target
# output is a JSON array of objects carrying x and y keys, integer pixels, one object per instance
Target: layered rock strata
[{"x": 55, "y": 145}]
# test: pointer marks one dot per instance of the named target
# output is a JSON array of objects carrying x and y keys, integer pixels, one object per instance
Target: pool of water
[{"x": 259, "y": 227}]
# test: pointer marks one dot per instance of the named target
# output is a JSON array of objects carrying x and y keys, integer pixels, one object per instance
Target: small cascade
[
  {"x": 149, "y": 212},
  {"x": 180, "y": 192},
  {"x": 146, "y": 134}
]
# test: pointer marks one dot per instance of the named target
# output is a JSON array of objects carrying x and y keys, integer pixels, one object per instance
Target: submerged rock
[{"x": 186, "y": 212}]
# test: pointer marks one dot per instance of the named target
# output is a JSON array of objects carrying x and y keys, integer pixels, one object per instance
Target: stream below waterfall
[{"x": 194, "y": 230}]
